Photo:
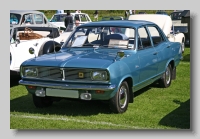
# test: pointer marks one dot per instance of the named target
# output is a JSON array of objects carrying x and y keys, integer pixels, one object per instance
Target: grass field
[{"x": 153, "y": 108}]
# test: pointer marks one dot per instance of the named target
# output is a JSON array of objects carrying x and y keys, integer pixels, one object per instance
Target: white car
[
  {"x": 46, "y": 41},
  {"x": 165, "y": 23},
  {"x": 28, "y": 18},
  {"x": 58, "y": 19}
]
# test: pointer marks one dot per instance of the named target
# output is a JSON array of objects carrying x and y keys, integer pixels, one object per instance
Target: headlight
[
  {"x": 30, "y": 72},
  {"x": 99, "y": 75}
]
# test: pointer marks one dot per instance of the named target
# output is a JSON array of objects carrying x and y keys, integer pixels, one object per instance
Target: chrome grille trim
[{"x": 66, "y": 74}]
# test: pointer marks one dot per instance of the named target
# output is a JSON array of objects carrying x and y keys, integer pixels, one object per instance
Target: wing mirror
[{"x": 17, "y": 41}]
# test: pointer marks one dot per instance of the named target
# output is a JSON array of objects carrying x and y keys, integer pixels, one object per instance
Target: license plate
[{"x": 62, "y": 93}]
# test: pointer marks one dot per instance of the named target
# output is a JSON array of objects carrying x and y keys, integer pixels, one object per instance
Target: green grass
[
  {"x": 50, "y": 13},
  {"x": 153, "y": 108}
]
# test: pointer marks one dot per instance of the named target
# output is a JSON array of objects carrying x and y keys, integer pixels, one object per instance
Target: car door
[
  {"x": 161, "y": 45},
  {"x": 147, "y": 56}
]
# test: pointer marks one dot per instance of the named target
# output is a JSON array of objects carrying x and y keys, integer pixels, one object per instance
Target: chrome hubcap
[
  {"x": 167, "y": 75},
  {"x": 183, "y": 46},
  {"x": 122, "y": 97}
]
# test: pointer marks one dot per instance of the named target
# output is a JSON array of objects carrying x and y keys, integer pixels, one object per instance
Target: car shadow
[
  {"x": 145, "y": 89},
  {"x": 178, "y": 118},
  {"x": 63, "y": 107},
  {"x": 14, "y": 80},
  {"x": 186, "y": 58},
  {"x": 69, "y": 107}
]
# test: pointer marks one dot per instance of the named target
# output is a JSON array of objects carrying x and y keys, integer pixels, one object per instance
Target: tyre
[
  {"x": 119, "y": 103},
  {"x": 41, "y": 102},
  {"x": 165, "y": 81}
]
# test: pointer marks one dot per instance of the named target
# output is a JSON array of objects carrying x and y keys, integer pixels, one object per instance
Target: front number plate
[{"x": 62, "y": 93}]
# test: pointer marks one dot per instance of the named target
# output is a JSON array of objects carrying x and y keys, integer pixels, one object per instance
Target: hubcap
[
  {"x": 167, "y": 75},
  {"x": 183, "y": 46},
  {"x": 122, "y": 97}
]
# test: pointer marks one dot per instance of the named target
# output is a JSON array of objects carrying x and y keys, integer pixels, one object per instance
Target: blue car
[{"x": 105, "y": 61}]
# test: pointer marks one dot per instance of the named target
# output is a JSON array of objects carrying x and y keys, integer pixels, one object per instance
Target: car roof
[
  {"x": 122, "y": 23},
  {"x": 66, "y": 13},
  {"x": 24, "y": 11}
]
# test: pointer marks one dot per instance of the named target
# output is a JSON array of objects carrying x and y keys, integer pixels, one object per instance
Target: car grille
[
  {"x": 49, "y": 73},
  {"x": 74, "y": 74}
]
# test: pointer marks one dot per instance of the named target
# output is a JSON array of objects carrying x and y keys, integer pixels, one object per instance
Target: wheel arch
[
  {"x": 129, "y": 81},
  {"x": 48, "y": 46}
]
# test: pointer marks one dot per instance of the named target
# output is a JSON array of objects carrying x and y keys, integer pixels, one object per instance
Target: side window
[
  {"x": 143, "y": 39},
  {"x": 38, "y": 18},
  {"x": 155, "y": 35},
  {"x": 83, "y": 18},
  {"x": 77, "y": 17},
  {"x": 87, "y": 18},
  {"x": 27, "y": 19}
]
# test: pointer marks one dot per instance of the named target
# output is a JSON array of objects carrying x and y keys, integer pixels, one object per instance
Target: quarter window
[{"x": 38, "y": 19}]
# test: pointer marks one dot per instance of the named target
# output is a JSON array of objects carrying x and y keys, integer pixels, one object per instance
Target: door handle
[
  {"x": 155, "y": 53},
  {"x": 168, "y": 46}
]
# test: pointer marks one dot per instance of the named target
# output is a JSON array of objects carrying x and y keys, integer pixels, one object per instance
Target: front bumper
[{"x": 69, "y": 86}]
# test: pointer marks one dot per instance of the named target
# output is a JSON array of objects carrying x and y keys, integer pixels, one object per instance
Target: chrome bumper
[{"x": 69, "y": 86}]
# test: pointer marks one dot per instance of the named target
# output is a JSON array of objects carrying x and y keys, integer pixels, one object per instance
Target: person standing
[
  {"x": 130, "y": 12},
  {"x": 78, "y": 11},
  {"x": 68, "y": 21},
  {"x": 96, "y": 15},
  {"x": 126, "y": 14}
]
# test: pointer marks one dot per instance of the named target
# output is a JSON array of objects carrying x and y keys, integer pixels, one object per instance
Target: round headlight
[{"x": 31, "y": 50}]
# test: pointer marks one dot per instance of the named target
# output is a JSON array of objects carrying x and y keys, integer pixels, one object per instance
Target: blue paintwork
[{"x": 141, "y": 66}]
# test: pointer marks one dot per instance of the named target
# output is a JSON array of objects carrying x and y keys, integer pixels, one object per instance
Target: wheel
[
  {"x": 165, "y": 81},
  {"x": 183, "y": 46},
  {"x": 119, "y": 103},
  {"x": 41, "y": 102}
]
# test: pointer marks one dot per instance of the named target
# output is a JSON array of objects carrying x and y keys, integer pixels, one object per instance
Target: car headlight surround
[
  {"x": 30, "y": 72},
  {"x": 99, "y": 75}
]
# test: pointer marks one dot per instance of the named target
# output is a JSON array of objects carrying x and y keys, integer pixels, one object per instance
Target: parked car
[
  {"x": 166, "y": 24},
  {"x": 142, "y": 13},
  {"x": 161, "y": 12},
  {"x": 179, "y": 25},
  {"x": 58, "y": 19},
  {"x": 28, "y": 18},
  {"x": 46, "y": 40},
  {"x": 105, "y": 18},
  {"x": 104, "y": 65}
]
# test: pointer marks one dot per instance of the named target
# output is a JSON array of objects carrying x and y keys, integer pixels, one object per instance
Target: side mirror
[{"x": 17, "y": 41}]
